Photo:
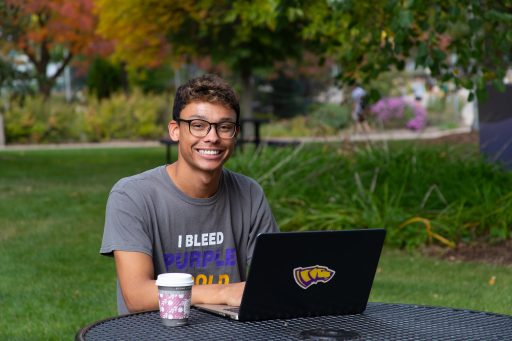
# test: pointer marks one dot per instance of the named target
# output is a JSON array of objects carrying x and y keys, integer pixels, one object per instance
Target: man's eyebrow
[
  {"x": 227, "y": 119},
  {"x": 204, "y": 118}
]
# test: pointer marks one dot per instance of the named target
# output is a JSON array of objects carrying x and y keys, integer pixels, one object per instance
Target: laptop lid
[{"x": 297, "y": 274}]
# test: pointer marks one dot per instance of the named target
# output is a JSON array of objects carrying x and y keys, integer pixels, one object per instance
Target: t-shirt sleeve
[
  {"x": 125, "y": 227},
  {"x": 262, "y": 218}
]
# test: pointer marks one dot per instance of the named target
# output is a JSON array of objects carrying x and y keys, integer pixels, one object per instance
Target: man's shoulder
[
  {"x": 240, "y": 183},
  {"x": 230, "y": 175},
  {"x": 139, "y": 181}
]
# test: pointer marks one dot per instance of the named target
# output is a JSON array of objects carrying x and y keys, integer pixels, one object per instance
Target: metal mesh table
[{"x": 380, "y": 321}]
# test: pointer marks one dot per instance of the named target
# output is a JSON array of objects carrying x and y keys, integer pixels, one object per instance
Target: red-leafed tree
[{"x": 49, "y": 31}]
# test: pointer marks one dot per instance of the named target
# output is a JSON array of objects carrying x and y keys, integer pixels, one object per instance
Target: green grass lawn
[{"x": 53, "y": 280}]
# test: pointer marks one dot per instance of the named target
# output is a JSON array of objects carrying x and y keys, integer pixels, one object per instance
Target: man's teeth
[{"x": 208, "y": 152}]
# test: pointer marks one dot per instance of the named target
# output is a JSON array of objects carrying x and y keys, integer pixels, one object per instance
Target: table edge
[
  {"x": 79, "y": 336},
  {"x": 82, "y": 331}
]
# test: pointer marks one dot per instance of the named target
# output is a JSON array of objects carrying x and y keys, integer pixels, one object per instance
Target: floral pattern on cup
[{"x": 174, "y": 305}]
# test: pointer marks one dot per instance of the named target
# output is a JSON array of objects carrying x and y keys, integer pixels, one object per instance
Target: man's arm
[{"x": 135, "y": 273}]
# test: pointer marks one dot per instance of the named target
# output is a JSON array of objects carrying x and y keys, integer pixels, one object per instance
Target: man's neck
[{"x": 194, "y": 183}]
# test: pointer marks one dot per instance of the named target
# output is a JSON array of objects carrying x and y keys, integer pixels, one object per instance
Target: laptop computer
[{"x": 299, "y": 274}]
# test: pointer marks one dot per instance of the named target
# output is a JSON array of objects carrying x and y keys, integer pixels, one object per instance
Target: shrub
[
  {"x": 330, "y": 116},
  {"x": 324, "y": 119},
  {"x": 37, "y": 120},
  {"x": 293, "y": 127},
  {"x": 131, "y": 117},
  {"x": 416, "y": 193},
  {"x": 126, "y": 117},
  {"x": 398, "y": 109}
]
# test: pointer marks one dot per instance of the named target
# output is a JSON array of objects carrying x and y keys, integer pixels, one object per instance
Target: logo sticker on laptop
[{"x": 306, "y": 277}]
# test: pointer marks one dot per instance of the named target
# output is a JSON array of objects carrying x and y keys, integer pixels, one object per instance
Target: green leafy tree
[
  {"x": 244, "y": 35},
  {"x": 467, "y": 42}
]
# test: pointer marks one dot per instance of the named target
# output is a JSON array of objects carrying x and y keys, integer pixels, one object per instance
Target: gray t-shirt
[{"x": 212, "y": 239}]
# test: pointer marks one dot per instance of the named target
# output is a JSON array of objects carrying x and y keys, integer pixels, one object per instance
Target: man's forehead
[{"x": 205, "y": 109}]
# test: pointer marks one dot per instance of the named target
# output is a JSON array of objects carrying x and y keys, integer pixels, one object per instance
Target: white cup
[{"x": 174, "y": 295}]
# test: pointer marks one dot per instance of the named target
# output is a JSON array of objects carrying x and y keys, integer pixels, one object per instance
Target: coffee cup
[{"x": 174, "y": 295}]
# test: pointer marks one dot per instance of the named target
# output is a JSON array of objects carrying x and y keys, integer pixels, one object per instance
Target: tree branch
[{"x": 62, "y": 66}]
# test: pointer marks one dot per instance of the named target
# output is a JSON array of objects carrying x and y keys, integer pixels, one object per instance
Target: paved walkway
[
  {"x": 429, "y": 133},
  {"x": 401, "y": 134}
]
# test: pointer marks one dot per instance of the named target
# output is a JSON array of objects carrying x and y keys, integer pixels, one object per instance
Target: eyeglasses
[{"x": 201, "y": 128}]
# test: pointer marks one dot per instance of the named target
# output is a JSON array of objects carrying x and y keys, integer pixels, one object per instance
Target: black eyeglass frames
[{"x": 201, "y": 128}]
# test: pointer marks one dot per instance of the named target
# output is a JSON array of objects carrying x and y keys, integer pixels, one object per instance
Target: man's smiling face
[{"x": 208, "y": 153}]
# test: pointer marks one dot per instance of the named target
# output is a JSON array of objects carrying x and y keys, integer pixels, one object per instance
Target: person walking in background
[
  {"x": 359, "y": 110},
  {"x": 418, "y": 89},
  {"x": 193, "y": 215}
]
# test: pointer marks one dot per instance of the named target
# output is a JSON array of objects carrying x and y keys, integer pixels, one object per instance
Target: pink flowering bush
[{"x": 390, "y": 108}]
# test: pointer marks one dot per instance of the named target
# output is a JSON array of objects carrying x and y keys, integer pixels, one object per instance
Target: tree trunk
[
  {"x": 246, "y": 98},
  {"x": 2, "y": 131},
  {"x": 45, "y": 87}
]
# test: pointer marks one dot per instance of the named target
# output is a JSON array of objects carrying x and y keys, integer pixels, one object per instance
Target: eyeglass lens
[{"x": 201, "y": 128}]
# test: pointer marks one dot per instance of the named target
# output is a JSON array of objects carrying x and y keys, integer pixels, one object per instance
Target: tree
[
  {"x": 104, "y": 78},
  {"x": 467, "y": 42},
  {"x": 49, "y": 31},
  {"x": 244, "y": 35}
]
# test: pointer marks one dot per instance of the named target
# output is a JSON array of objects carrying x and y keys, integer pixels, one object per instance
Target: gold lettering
[
  {"x": 201, "y": 279},
  {"x": 224, "y": 279}
]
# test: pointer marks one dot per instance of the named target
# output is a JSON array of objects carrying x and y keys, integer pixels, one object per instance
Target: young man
[{"x": 193, "y": 215}]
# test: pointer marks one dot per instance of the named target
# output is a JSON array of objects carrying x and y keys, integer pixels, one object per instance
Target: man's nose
[{"x": 212, "y": 134}]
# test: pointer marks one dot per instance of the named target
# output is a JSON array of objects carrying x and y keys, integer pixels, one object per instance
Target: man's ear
[{"x": 174, "y": 130}]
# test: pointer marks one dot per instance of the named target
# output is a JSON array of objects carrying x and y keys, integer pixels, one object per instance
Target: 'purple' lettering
[
  {"x": 218, "y": 261},
  {"x": 230, "y": 257},
  {"x": 183, "y": 259},
  {"x": 200, "y": 259},
  {"x": 168, "y": 259},
  {"x": 195, "y": 259},
  {"x": 208, "y": 257}
]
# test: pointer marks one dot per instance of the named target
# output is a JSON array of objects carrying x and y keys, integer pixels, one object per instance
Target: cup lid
[{"x": 174, "y": 279}]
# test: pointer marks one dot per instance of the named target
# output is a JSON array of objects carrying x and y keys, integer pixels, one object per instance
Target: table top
[{"x": 380, "y": 321}]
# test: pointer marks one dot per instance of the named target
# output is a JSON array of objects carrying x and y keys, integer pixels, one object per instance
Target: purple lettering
[
  {"x": 230, "y": 257},
  {"x": 207, "y": 258},
  {"x": 182, "y": 260},
  {"x": 218, "y": 261},
  {"x": 168, "y": 260},
  {"x": 200, "y": 259},
  {"x": 195, "y": 257}
]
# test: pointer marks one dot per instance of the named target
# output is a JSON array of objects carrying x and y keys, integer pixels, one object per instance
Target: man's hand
[
  {"x": 234, "y": 293},
  {"x": 230, "y": 294}
]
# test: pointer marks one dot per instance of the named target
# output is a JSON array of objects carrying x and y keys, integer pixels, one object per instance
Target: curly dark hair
[{"x": 207, "y": 88}]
